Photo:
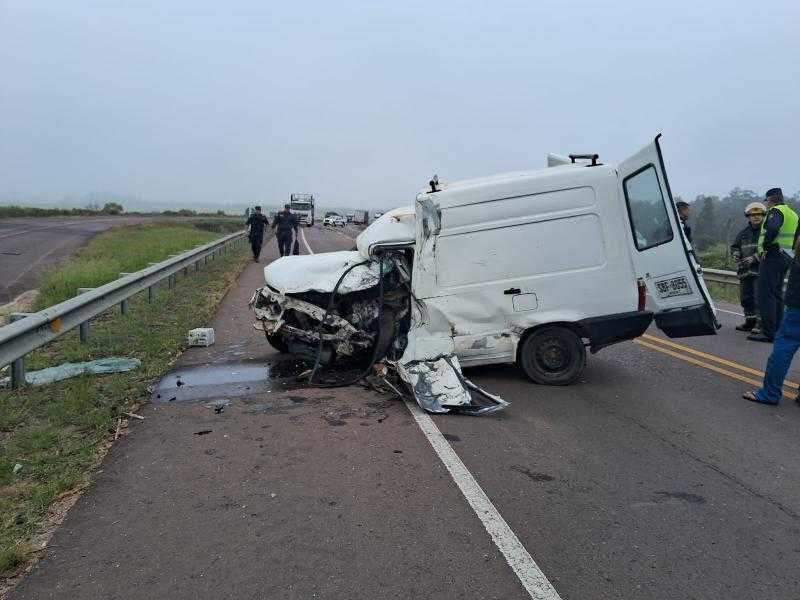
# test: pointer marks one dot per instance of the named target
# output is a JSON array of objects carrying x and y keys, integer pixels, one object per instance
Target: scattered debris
[
  {"x": 202, "y": 336},
  {"x": 17, "y": 468},
  {"x": 68, "y": 370},
  {"x": 203, "y": 432},
  {"x": 118, "y": 429},
  {"x": 219, "y": 405},
  {"x": 135, "y": 416}
]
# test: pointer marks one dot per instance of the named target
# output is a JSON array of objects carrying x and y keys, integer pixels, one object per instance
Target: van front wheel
[
  {"x": 277, "y": 342},
  {"x": 553, "y": 355}
]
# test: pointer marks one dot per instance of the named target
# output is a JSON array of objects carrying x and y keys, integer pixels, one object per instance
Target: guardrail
[
  {"x": 719, "y": 276},
  {"x": 27, "y": 332}
]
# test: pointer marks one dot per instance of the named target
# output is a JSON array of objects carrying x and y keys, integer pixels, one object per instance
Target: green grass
[
  {"x": 723, "y": 291},
  {"x": 117, "y": 251},
  {"x": 56, "y": 431}
]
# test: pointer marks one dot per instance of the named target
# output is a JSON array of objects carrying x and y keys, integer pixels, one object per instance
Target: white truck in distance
[
  {"x": 302, "y": 206},
  {"x": 530, "y": 267}
]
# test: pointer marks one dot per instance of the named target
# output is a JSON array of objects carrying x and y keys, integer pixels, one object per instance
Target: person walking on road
[
  {"x": 683, "y": 213},
  {"x": 285, "y": 226},
  {"x": 776, "y": 251},
  {"x": 787, "y": 341},
  {"x": 257, "y": 223},
  {"x": 744, "y": 252}
]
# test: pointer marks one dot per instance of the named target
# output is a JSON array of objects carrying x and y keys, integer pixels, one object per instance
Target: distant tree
[
  {"x": 221, "y": 213},
  {"x": 92, "y": 207},
  {"x": 705, "y": 230},
  {"x": 112, "y": 208}
]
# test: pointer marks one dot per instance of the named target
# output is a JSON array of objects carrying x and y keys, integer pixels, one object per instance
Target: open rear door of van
[{"x": 662, "y": 255}]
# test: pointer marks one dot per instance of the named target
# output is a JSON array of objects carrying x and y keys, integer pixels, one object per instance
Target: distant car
[
  {"x": 377, "y": 215},
  {"x": 334, "y": 221},
  {"x": 350, "y": 217}
]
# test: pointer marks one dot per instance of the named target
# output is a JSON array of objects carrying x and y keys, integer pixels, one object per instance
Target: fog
[{"x": 191, "y": 104}]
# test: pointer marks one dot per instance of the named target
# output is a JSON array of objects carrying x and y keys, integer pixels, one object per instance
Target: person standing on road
[
  {"x": 787, "y": 341},
  {"x": 285, "y": 226},
  {"x": 744, "y": 252},
  {"x": 257, "y": 223},
  {"x": 683, "y": 213},
  {"x": 776, "y": 251}
]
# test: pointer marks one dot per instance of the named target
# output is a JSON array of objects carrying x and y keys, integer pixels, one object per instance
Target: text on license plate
[{"x": 677, "y": 286}]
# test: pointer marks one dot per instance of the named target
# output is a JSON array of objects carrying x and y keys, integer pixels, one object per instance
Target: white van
[{"x": 530, "y": 267}]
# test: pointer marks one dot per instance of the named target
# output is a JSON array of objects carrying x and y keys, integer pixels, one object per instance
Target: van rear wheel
[{"x": 553, "y": 355}]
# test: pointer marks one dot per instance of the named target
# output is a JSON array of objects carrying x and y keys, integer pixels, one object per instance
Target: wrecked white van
[{"x": 530, "y": 267}]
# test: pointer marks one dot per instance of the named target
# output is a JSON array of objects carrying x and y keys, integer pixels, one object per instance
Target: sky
[{"x": 184, "y": 103}]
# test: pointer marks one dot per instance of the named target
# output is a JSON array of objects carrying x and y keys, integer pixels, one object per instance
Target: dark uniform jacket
[
  {"x": 792, "y": 296},
  {"x": 772, "y": 226},
  {"x": 257, "y": 223},
  {"x": 284, "y": 224},
  {"x": 744, "y": 251},
  {"x": 687, "y": 231}
]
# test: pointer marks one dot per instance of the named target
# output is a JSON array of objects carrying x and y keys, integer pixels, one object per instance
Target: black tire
[
  {"x": 553, "y": 356},
  {"x": 277, "y": 342}
]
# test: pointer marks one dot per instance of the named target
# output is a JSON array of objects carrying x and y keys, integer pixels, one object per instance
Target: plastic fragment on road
[
  {"x": 69, "y": 370},
  {"x": 202, "y": 336}
]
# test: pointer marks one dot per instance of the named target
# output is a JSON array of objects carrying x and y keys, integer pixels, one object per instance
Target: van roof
[{"x": 505, "y": 185}]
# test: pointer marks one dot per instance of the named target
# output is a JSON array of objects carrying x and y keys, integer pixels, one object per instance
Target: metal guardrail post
[
  {"x": 83, "y": 328},
  {"x": 151, "y": 293},
  {"x": 124, "y": 305},
  {"x": 18, "y": 366}
]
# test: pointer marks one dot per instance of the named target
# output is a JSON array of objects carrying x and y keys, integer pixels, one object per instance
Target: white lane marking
[
  {"x": 517, "y": 557},
  {"x": 305, "y": 243}
]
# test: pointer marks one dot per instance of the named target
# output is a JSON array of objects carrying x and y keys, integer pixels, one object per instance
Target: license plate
[{"x": 677, "y": 286}]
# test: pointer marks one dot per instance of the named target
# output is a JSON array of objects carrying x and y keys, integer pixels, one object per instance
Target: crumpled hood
[
  {"x": 396, "y": 228},
  {"x": 320, "y": 272}
]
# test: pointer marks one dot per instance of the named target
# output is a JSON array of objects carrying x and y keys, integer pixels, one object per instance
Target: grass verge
[
  {"x": 51, "y": 437},
  {"x": 113, "y": 252},
  {"x": 723, "y": 291}
]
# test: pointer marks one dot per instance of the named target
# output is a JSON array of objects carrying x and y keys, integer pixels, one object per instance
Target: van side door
[{"x": 661, "y": 254}]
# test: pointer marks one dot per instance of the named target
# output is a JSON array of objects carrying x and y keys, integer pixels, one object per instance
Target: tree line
[{"x": 716, "y": 220}]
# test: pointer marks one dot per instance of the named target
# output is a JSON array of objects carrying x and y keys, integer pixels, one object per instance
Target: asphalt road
[
  {"x": 648, "y": 479},
  {"x": 28, "y": 246}
]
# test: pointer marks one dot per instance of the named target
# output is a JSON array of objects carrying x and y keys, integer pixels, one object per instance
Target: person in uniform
[
  {"x": 775, "y": 251},
  {"x": 787, "y": 341},
  {"x": 285, "y": 226},
  {"x": 257, "y": 222},
  {"x": 683, "y": 213},
  {"x": 744, "y": 252}
]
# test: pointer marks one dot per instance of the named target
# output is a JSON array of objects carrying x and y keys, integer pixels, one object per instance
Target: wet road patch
[{"x": 229, "y": 380}]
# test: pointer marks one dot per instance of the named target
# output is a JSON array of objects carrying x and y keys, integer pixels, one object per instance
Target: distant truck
[
  {"x": 361, "y": 217},
  {"x": 350, "y": 217},
  {"x": 303, "y": 206}
]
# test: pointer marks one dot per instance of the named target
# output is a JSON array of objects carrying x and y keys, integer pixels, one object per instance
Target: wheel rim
[{"x": 553, "y": 356}]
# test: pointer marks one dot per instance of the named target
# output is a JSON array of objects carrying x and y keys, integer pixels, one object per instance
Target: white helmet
[{"x": 755, "y": 208}]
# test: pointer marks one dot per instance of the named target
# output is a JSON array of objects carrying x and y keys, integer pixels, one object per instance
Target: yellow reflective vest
[{"x": 785, "y": 238}]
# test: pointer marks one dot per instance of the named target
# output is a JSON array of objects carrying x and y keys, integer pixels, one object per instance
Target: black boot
[{"x": 748, "y": 325}]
